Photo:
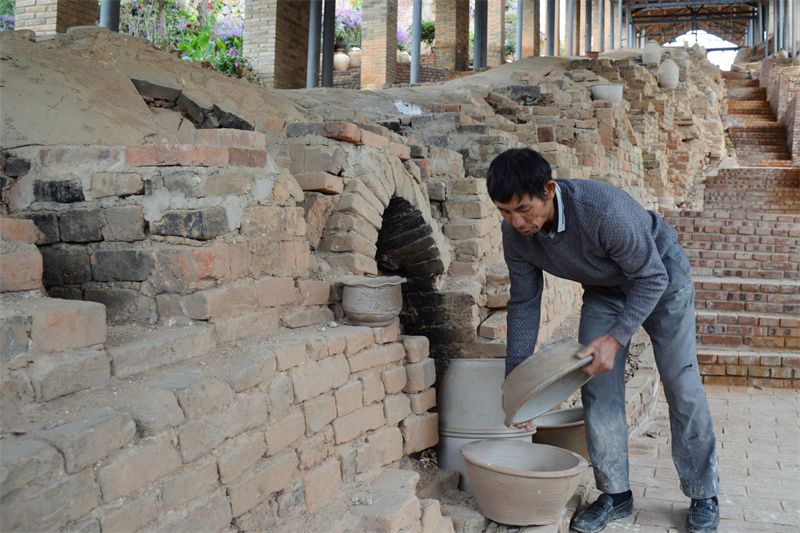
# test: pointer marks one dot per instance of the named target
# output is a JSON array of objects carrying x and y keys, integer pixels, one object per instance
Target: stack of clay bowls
[{"x": 563, "y": 428}]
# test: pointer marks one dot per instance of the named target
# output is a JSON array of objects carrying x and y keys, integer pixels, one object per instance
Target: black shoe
[
  {"x": 703, "y": 516},
  {"x": 597, "y": 516}
]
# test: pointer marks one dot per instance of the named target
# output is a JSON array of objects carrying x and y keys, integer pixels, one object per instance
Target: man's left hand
[{"x": 604, "y": 349}]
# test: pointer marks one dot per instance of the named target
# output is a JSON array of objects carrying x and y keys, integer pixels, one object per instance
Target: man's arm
[{"x": 524, "y": 306}]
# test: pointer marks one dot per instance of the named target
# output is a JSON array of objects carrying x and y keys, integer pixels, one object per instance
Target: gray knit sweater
[{"x": 608, "y": 240}]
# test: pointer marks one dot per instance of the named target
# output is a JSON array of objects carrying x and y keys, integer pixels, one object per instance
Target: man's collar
[{"x": 560, "y": 222}]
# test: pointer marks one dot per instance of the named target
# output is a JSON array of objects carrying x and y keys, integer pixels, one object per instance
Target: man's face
[{"x": 528, "y": 214}]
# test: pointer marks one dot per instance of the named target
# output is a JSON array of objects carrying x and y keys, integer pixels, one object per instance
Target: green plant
[
  {"x": 7, "y": 8},
  {"x": 428, "y": 32}
]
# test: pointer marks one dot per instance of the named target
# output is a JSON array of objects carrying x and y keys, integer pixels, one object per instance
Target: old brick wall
[
  {"x": 76, "y": 13},
  {"x": 271, "y": 41},
  {"x": 47, "y": 17},
  {"x": 378, "y": 43},
  {"x": 452, "y": 34}
]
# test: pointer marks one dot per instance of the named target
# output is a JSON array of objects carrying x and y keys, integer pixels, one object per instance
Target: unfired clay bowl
[
  {"x": 543, "y": 381},
  {"x": 521, "y": 483},
  {"x": 563, "y": 428},
  {"x": 372, "y": 302}
]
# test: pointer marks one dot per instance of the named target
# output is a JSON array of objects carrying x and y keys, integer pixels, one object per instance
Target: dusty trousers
[{"x": 671, "y": 327}]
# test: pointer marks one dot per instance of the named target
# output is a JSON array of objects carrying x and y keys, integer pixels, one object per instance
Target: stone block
[
  {"x": 23, "y": 460},
  {"x": 396, "y": 407},
  {"x": 330, "y": 159},
  {"x": 116, "y": 184},
  {"x": 209, "y": 513},
  {"x": 15, "y": 329},
  {"x": 169, "y": 155},
  {"x": 372, "y": 386},
  {"x": 354, "y": 263},
  {"x": 181, "y": 269},
  {"x": 267, "y": 477},
  {"x": 151, "y": 459},
  {"x": 358, "y": 338},
  {"x": 124, "y": 223},
  {"x": 285, "y": 432},
  {"x": 394, "y": 379},
  {"x": 420, "y": 375},
  {"x": 63, "y": 191},
  {"x": 67, "y": 372},
  {"x": 314, "y": 292},
  {"x": 317, "y": 208},
  {"x": 200, "y": 224},
  {"x": 153, "y": 410},
  {"x": 47, "y": 222},
  {"x": 131, "y": 514},
  {"x": 256, "y": 324},
  {"x": 123, "y": 306},
  {"x": 89, "y": 440},
  {"x": 239, "y": 454},
  {"x": 20, "y": 230},
  {"x": 355, "y": 204},
  {"x": 422, "y": 402},
  {"x": 242, "y": 157},
  {"x": 316, "y": 448},
  {"x": 417, "y": 348},
  {"x": 400, "y": 150},
  {"x": 281, "y": 395},
  {"x": 320, "y": 182},
  {"x": 321, "y": 483},
  {"x": 376, "y": 356},
  {"x": 494, "y": 327},
  {"x": 211, "y": 182},
  {"x": 317, "y": 377},
  {"x": 199, "y": 396},
  {"x": 232, "y": 138},
  {"x": 249, "y": 369},
  {"x": 160, "y": 347},
  {"x": 80, "y": 225},
  {"x": 349, "y": 397},
  {"x": 190, "y": 482},
  {"x": 298, "y": 317},
  {"x": 381, "y": 447},
  {"x": 39, "y": 508},
  {"x": 420, "y": 432},
  {"x": 121, "y": 265},
  {"x": 357, "y": 423},
  {"x": 289, "y": 353},
  {"x": 373, "y": 139},
  {"x": 291, "y": 501},
  {"x": 342, "y": 131},
  {"x": 58, "y": 325},
  {"x": 20, "y": 267},
  {"x": 395, "y": 506},
  {"x": 319, "y": 412}
]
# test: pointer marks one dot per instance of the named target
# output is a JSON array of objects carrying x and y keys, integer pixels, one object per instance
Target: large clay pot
[
  {"x": 521, "y": 483},
  {"x": 563, "y": 428},
  {"x": 651, "y": 55},
  {"x": 668, "y": 74},
  {"x": 372, "y": 302},
  {"x": 611, "y": 92},
  {"x": 712, "y": 96},
  {"x": 355, "y": 56},
  {"x": 341, "y": 62},
  {"x": 403, "y": 56}
]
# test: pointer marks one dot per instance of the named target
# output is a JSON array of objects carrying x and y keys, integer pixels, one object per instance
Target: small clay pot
[
  {"x": 564, "y": 428},
  {"x": 373, "y": 302},
  {"x": 611, "y": 92},
  {"x": 521, "y": 483}
]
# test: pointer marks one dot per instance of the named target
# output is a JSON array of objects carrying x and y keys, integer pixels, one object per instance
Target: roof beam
[
  {"x": 676, "y": 19},
  {"x": 687, "y": 4}
]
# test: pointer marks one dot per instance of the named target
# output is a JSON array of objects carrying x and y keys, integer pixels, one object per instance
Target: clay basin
[
  {"x": 563, "y": 428},
  {"x": 543, "y": 381},
  {"x": 521, "y": 483}
]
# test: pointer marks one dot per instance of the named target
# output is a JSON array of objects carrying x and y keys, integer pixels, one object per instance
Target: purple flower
[
  {"x": 403, "y": 39},
  {"x": 6, "y": 23},
  {"x": 228, "y": 25}
]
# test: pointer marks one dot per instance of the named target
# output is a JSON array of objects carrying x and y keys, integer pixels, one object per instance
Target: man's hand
[
  {"x": 527, "y": 425},
  {"x": 604, "y": 349}
]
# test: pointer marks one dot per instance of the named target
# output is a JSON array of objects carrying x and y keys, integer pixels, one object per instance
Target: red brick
[
  {"x": 373, "y": 139},
  {"x": 13, "y": 229},
  {"x": 21, "y": 269},
  {"x": 242, "y": 157},
  {"x": 342, "y": 131},
  {"x": 320, "y": 182},
  {"x": 231, "y": 138},
  {"x": 400, "y": 150},
  {"x": 145, "y": 155}
]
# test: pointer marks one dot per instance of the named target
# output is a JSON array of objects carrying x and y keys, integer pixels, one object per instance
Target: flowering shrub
[
  {"x": 403, "y": 40},
  {"x": 348, "y": 25},
  {"x": 6, "y": 23}
]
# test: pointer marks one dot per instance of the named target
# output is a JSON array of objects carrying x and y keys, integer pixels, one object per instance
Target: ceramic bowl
[
  {"x": 521, "y": 483},
  {"x": 563, "y": 428},
  {"x": 543, "y": 381}
]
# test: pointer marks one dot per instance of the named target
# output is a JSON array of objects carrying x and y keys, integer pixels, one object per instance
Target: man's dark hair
[{"x": 518, "y": 172}]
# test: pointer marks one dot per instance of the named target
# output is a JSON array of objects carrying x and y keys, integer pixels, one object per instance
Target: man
[{"x": 634, "y": 273}]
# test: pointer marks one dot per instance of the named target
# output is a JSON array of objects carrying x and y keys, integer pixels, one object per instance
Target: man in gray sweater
[{"x": 634, "y": 273}]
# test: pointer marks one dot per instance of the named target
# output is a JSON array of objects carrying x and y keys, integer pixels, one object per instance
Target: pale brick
[
  {"x": 357, "y": 423},
  {"x": 249, "y": 369},
  {"x": 274, "y": 292},
  {"x": 153, "y": 410},
  {"x": 289, "y": 354},
  {"x": 358, "y": 338},
  {"x": 431, "y": 516},
  {"x": 85, "y": 442},
  {"x": 299, "y": 317},
  {"x": 319, "y": 411},
  {"x": 314, "y": 292},
  {"x": 321, "y": 483},
  {"x": 285, "y": 432},
  {"x": 23, "y": 460},
  {"x": 420, "y": 375},
  {"x": 313, "y": 378},
  {"x": 376, "y": 356},
  {"x": 380, "y": 448},
  {"x": 14, "y": 229},
  {"x": 396, "y": 407},
  {"x": 394, "y": 379},
  {"x": 355, "y": 204},
  {"x": 320, "y": 182},
  {"x": 417, "y": 348},
  {"x": 240, "y": 453},
  {"x": 132, "y": 514},
  {"x": 317, "y": 346},
  {"x": 20, "y": 267},
  {"x": 337, "y": 340},
  {"x": 135, "y": 467},
  {"x": 260, "y": 324},
  {"x": 281, "y": 395},
  {"x": 267, "y": 477},
  {"x": 209, "y": 513},
  {"x": 354, "y": 263},
  {"x": 63, "y": 324},
  {"x": 116, "y": 184},
  {"x": 420, "y": 432},
  {"x": 316, "y": 448},
  {"x": 64, "y": 373},
  {"x": 388, "y": 333},
  {"x": 349, "y": 397},
  {"x": 203, "y": 395},
  {"x": 373, "y": 388},
  {"x": 422, "y": 402},
  {"x": 226, "y": 301},
  {"x": 190, "y": 482}
]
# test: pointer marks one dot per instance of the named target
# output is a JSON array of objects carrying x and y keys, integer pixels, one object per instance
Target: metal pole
[
  {"x": 601, "y": 24},
  {"x": 551, "y": 27},
  {"x": 328, "y": 31},
  {"x": 518, "y": 47},
  {"x": 109, "y": 14},
  {"x": 479, "y": 34},
  {"x": 766, "y": 29},
  {"x": 588, "y": 29},
  {"x": 314, "y": 25},
  {"x": 795, "y": 16},
  {"x": 416, "y": 37},
  {"x": 619, "y": 23},
  {"x": 570, "y": 27},
  {"x": 630, "y": 27},
  {"x": 779, "y": 24},
  {"x": 776, "y": 28},
  {"x": 612, "y": 33},
  {"x": 787, "y": 25},
  {"x": 760, "y": 24}
]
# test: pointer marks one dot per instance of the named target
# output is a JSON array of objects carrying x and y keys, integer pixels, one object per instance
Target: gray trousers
[{"x": 671, "y": 327}]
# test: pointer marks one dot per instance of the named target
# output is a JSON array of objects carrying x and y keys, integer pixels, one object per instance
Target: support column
[
  {"x": 776, "y": 26},
  {"x": 619, "y": 23},
  {"x": 760, "y": 23},
  {"x": 328, "y": 37},
  {"x": 766, "y": 28},
  {"x": 379, "y": 43},
  {"x": 314, "y": 27},
  {"x": 479, "y": 34},
  {"x": 629, "y": 24},
  {"x": 496, "y": 33},
  {"x": 601, "y": 25},
  {"x": 271, "y": 28},
  {"x": 551, "y": 27},
  {"x": 452, "y": 34},
  {"x": 795, "y": 17},
  {"x": 520, "y": 29},
  {"x": 570, "y": 27},
  {"x": 109, "y": 14},
  {"x": 48, "y": 17},
  {"x": 612, "y": 41},
  {"x": 588, "y": 29},
  {"x": 416, "y": 38}
]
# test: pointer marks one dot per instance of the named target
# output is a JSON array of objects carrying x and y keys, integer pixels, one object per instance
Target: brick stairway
[{"x": 745, "y": 252}]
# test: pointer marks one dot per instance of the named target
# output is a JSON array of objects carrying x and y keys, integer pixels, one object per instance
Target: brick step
[
  {"x": 775, "y": 163},
  {"x": 735, "y": 75},
  {"x": 764, "y": 152},
  {"x": 765, "y": 367},
  {"x": 746, "y": 93},
  {"x": 737, "y": 83},
  {"x": 748, "y": 139},
  {"x": 746, "y": 107},
  {"x": 756, "y": 128},
  {"x": 747, "y": 294},
  {"x": 757, "y": 329}
]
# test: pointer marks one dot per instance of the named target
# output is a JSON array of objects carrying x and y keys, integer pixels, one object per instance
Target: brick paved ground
[{"x": 758, "y": 433}]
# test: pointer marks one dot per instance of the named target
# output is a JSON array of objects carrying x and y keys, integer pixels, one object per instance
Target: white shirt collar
[{"x": 560, "y": 223}]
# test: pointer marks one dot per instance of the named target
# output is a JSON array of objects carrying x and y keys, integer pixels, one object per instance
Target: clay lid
[{"x": 543, "y": 381}]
